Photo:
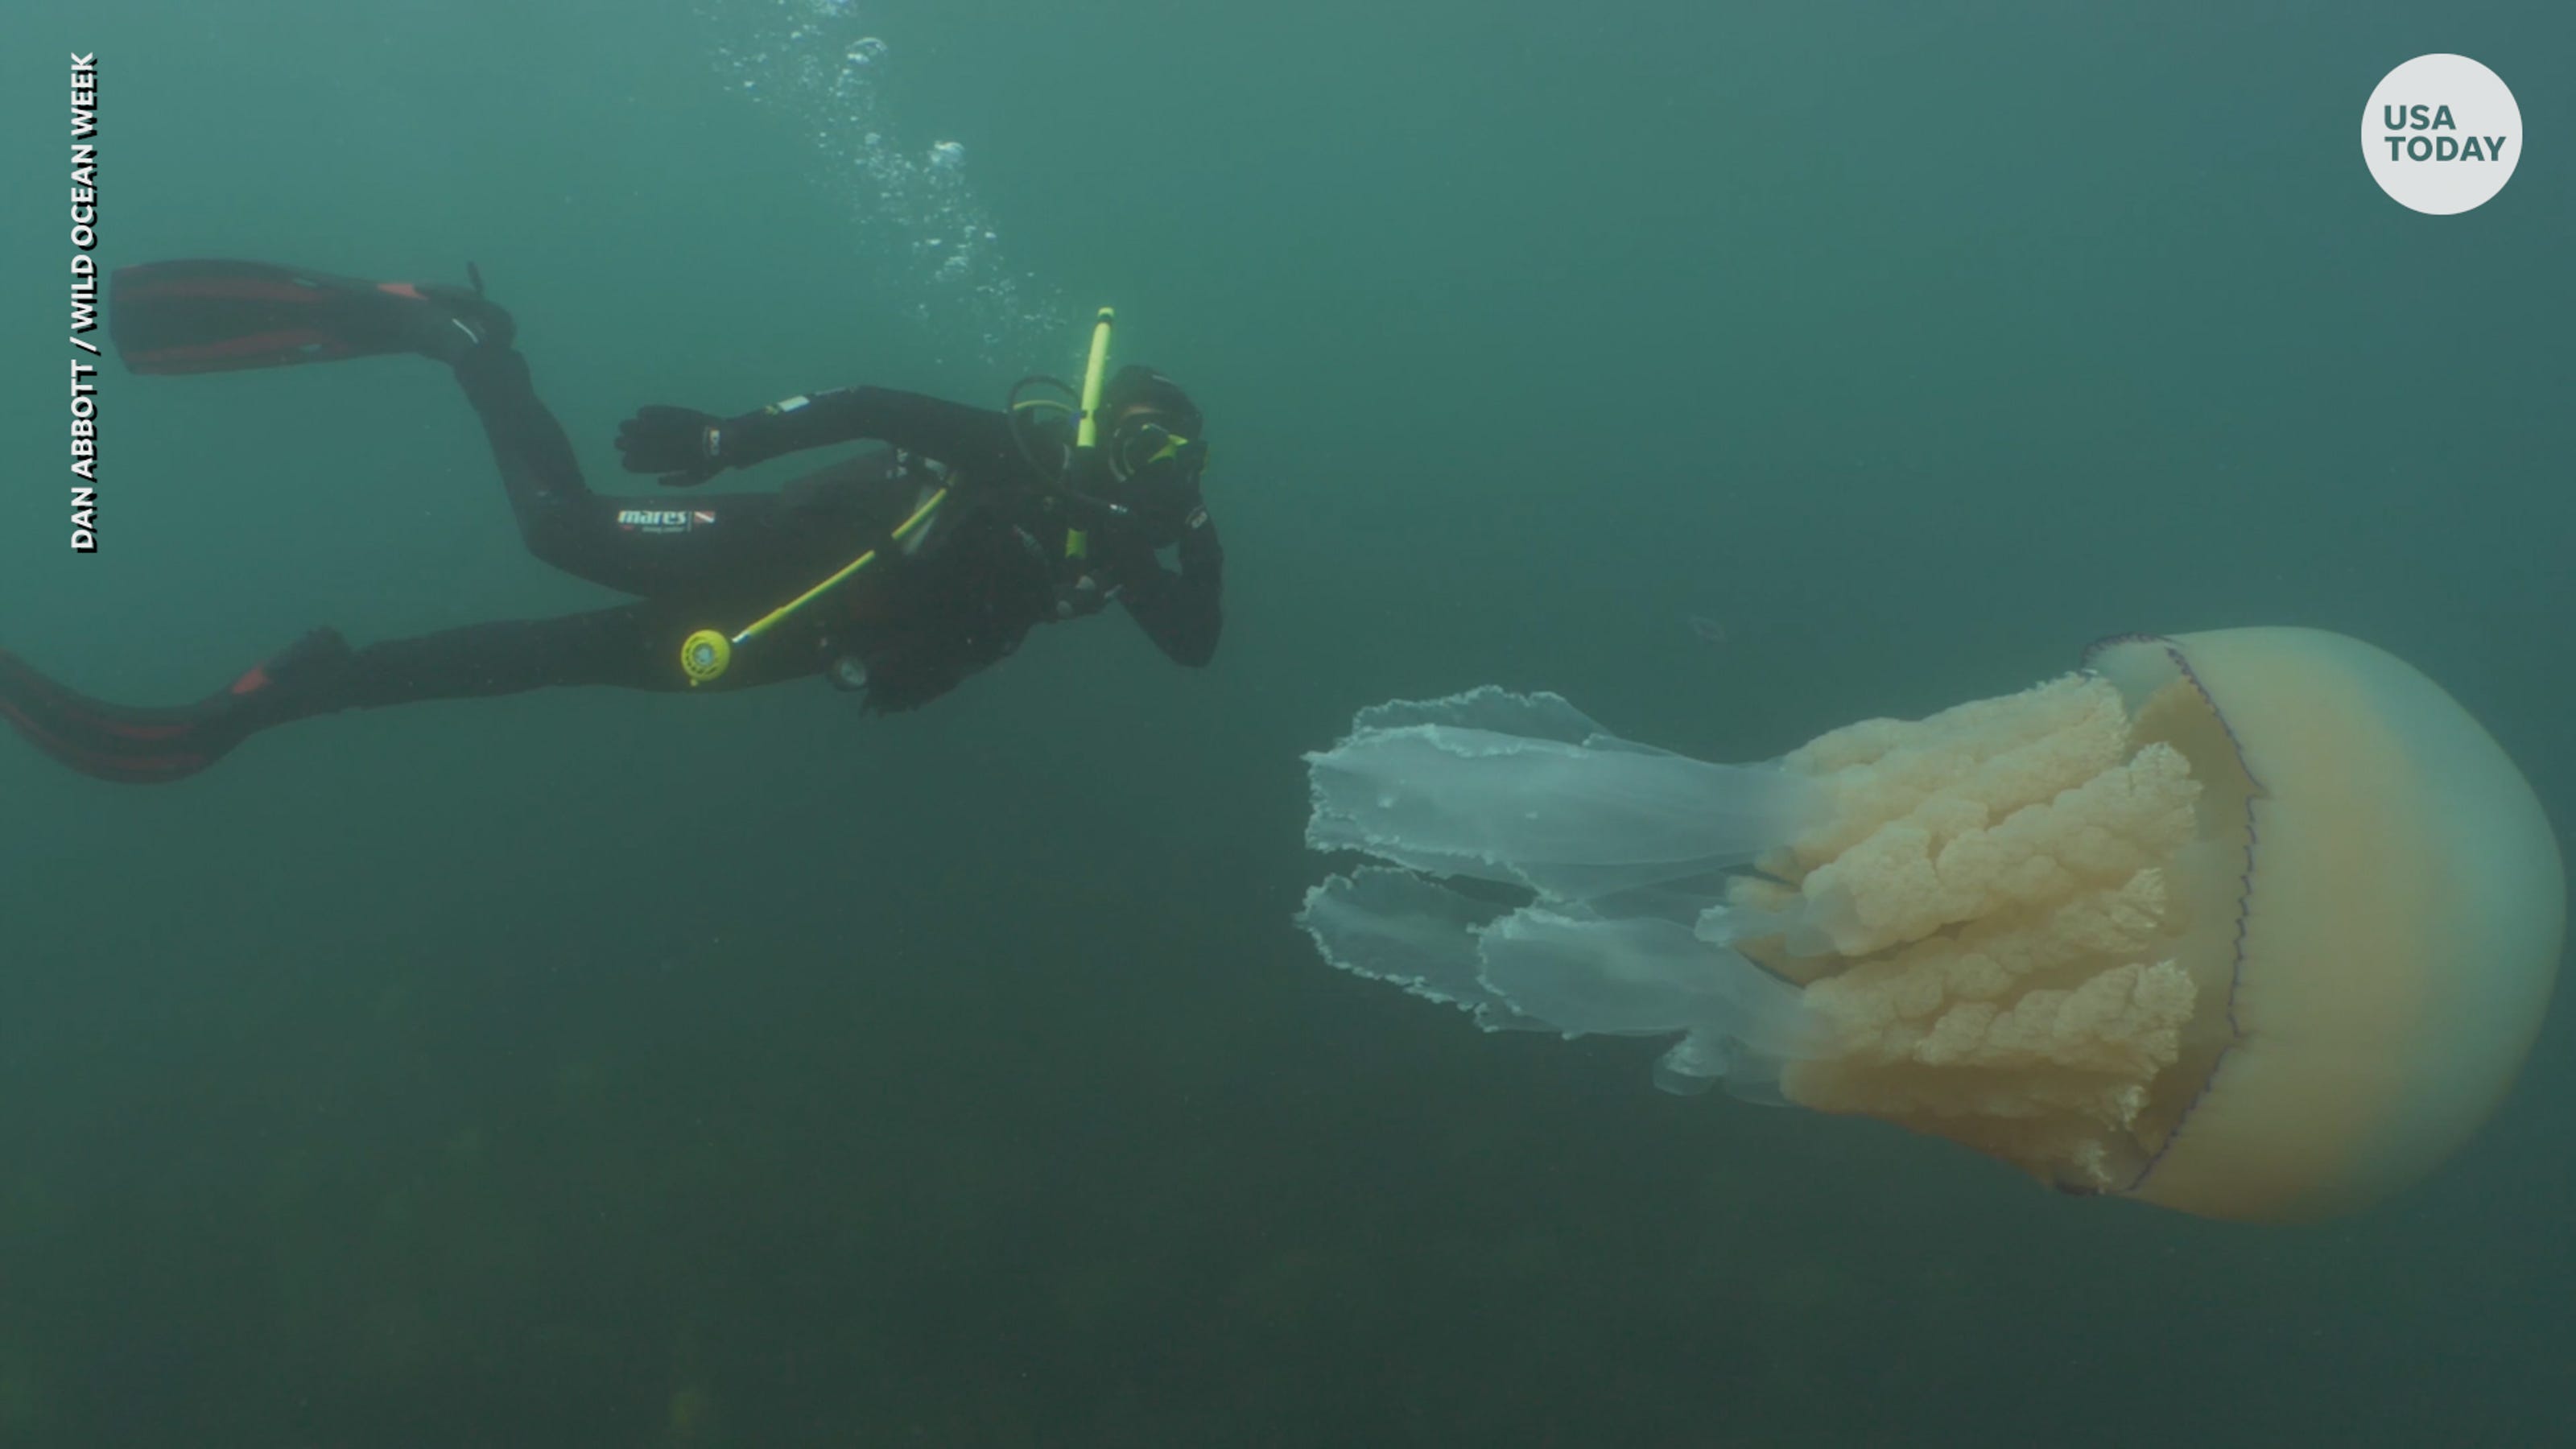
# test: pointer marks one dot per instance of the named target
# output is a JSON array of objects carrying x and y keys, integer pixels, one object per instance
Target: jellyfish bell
[
  {"x": 2400, "y": 935},
  {"x": 2255, "y": 924}
]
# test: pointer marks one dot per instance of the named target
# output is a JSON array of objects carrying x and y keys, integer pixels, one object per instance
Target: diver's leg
[
  {"x": 632, "y": 647},
  {"x": 635, "y": 646},
  {"x": 204, "y": 316},
  {"x": 559, "y": 517}
]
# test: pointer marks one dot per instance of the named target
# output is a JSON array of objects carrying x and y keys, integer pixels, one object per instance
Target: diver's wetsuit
[
  {"x": 957, "y": 595},
  {"x": 990, "y": 566}
]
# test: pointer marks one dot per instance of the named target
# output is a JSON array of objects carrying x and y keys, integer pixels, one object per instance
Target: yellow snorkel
[
  {"x": 1086, "y": 432},
  {"x": 708, "y": 653}
]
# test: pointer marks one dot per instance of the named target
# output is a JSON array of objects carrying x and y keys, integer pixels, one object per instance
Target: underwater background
[{"x": 587, "y": 1068}]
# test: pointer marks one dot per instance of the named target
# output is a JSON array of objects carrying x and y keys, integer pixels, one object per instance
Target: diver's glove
[
  {"x": 1163, "y": 497},
  {"x": 685, "y": 446}
]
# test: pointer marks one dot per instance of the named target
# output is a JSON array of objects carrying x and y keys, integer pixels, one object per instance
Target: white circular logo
[{"x": 2442, "y": 134}]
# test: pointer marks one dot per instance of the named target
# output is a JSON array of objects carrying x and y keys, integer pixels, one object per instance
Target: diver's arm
[
  {"x": 689, "y": 447},
  {"x": 1181, "y": 612}
]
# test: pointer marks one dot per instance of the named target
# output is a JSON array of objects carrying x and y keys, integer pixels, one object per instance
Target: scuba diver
[{"x": 967, "y": 529}]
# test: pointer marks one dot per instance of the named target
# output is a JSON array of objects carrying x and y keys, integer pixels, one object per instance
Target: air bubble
[{"x": 909, "y": 199}]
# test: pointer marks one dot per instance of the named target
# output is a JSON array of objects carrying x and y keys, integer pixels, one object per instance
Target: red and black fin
[
  {"x": 146, "y": 745},
  {"x": 220, "y": 316}
]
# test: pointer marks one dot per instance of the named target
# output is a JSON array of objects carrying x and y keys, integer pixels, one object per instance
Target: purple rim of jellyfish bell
[{"x": 2244, "y": 892}]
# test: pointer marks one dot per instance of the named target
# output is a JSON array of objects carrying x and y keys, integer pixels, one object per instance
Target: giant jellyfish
[{"x": 2255, "y": 924}]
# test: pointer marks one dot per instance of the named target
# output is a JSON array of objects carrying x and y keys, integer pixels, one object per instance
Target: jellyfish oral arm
[{"x": 1623, "y": 849}]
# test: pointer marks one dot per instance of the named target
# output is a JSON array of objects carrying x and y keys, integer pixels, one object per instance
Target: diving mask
[{"x": 1144, "y": 445}]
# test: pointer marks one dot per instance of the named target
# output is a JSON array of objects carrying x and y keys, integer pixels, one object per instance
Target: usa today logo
[{"x": 2441, "y": 134}]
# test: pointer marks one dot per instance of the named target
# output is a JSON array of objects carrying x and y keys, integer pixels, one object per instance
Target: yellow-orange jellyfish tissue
[{"x": 2254, "y": 924}]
